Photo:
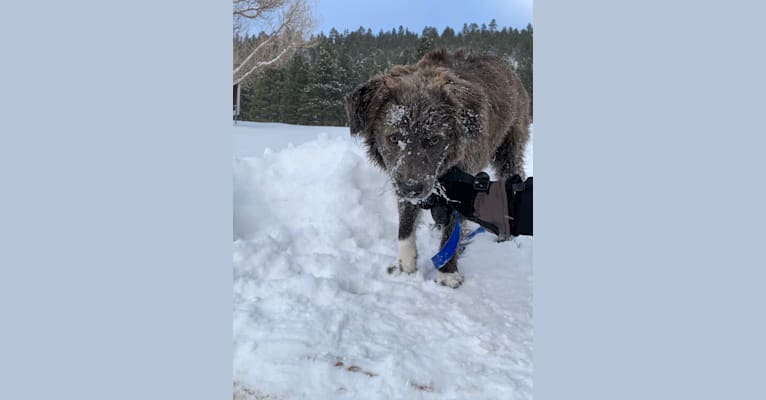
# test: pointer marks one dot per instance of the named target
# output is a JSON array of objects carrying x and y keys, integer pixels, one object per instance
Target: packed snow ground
[{"x": 316, "y": 316}]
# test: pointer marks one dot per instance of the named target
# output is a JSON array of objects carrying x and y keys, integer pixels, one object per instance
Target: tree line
[{"x": 308, "y": 89}]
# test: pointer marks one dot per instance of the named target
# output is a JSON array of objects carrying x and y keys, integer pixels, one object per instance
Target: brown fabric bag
[{"x": 492, "y": 207}]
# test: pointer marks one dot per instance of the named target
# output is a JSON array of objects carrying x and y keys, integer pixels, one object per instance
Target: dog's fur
[{"x": 420, "y": 120}]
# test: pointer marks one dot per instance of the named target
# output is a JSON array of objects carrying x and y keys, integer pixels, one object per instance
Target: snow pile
[{"x": 317, "y": 317}]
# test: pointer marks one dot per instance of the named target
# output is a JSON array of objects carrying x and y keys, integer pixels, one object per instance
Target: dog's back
[{"x": 500, "y": 93}]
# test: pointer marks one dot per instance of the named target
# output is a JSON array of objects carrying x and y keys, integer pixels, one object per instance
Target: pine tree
[
  {"x": 247, "y": 96},
  {"x": 448, "y": 37},
  {"x": 427, "y": 41},
  {"x": 524, "y": 51},
  {"x": 309, "y": 89},
  {"x": 266, "y": 100},
  {"x": 297, "y": 78},
  {"x": 323, "y": 94}
]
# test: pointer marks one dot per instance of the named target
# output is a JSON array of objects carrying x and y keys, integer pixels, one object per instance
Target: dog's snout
[{"x": 411, "y": 189}]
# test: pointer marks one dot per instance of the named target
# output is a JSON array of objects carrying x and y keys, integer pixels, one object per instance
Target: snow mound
[{"x": 316, "y": 316}]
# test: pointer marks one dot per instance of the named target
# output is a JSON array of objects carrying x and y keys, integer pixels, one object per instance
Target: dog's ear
[
  {"x": 470, "y": 103},
  {"x": 363, "y": 103},
  {"x": 362, "y": 106}
]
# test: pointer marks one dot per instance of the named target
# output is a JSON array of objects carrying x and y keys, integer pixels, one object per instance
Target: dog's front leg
[
  {"x": 408, "y": 253},
  {"x": 448, "y": 275}
]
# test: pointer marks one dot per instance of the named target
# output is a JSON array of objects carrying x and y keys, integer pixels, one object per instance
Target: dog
[{"x": 458, "y": 109}]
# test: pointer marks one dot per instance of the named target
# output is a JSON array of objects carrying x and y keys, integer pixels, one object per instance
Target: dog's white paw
[
  {"x": 450, "y": 279},
  {"x": 402, "y": 266}
]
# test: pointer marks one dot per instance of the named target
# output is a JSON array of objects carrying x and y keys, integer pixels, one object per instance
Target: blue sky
[{"x": 416, "y": 14}]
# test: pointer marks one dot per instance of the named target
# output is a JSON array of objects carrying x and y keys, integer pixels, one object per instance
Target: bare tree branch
[
  {"x": 283, "y": 25},
  {"x": 274, "y": 34},
  {"x": 262, "y": 64}
]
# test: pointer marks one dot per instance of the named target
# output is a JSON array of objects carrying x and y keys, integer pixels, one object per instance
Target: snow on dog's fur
[{"x": 420, "y": 120}]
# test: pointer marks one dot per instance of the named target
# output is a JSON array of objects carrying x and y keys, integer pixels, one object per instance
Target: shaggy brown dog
[{"x": 420, "y": 120}]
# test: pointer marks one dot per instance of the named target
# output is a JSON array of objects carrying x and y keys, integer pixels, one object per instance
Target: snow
[
  {"x": 251, "y": 138},
  {"x": 395, "y": 114},
  {"x": 316, "y": 316}
]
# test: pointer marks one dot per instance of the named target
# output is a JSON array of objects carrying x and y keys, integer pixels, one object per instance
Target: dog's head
[{"x": 416, "y": 125}]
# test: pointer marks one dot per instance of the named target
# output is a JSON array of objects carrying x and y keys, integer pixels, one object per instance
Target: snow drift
[{"x": 315, "y": 314}]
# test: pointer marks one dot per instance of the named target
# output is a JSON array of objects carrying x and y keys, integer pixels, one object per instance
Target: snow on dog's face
[
  {"x": 414, "y": 141},
  {"x": 415, "y": 127}
]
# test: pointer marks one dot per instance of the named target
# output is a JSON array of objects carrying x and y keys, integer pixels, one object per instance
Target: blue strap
[
  {"x": 469, "y": 237},
  {"x": 475, "y": 232},
  {"x": 451, "y": 246}
]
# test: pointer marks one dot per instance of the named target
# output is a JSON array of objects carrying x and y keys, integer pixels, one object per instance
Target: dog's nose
[{"x": 411, "y": 189}]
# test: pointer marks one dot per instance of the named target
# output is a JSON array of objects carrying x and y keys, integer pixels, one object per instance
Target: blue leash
[{"x": 451, "y": 246}]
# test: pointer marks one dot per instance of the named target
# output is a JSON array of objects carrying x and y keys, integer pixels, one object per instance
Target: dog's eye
[{"x": 393, "y": 139}]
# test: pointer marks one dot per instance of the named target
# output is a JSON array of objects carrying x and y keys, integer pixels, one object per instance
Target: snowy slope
[
  {"x": 251, "y": 138},
  {"x": 317, "y": 317}
]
